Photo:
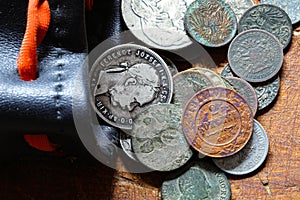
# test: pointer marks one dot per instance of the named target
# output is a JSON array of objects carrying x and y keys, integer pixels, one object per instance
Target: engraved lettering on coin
[
  {"x": 291, "y": 7},
  {"x": 217, "y": 122},
  {"x": 250, "y": 157},
  {"x": 210, "y": 22},
  {"x": 158, "y": 23},
  {"x": 239, "y": 6},
  {"x": 158, "y": 141},
  {"x": 266, "y": 92},
  {"x": 124, "y": 80},
  {"x": 255, "y": 55},
  {"x": 187, "y": 83},
  {"x": 269, "y": 18},
  {"x": 200, "y": 180},
  {"x": 246, "y": 90}
]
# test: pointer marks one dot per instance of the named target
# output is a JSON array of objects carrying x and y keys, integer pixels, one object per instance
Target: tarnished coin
[
  {"x": 246, "y": 90},
  {"x": 227, "y": 72},
  {"x": 124, "y": 80},
  {"x": 216, "y": 79},
  {"x": 157, "y": 23},
  {"x": 239, "y": 7},
  {"x": 266, "y": 92},
  {"x": 158, "y": 141},
  {"x": 255, "y": 55},
  {"x": 217, "y": 122},
  {"x": 201, "y": 181},
  {"x": 210, "y": 22},
  {"x": 269, "y": 18},
  {"x": 188, "y": 83},
  {"x": 126, "y": 144},
  {"x": 250, "y": 157},
  {"x": 291, "y": 7}
]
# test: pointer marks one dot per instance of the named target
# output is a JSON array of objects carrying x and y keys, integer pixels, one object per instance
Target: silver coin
[
  {"x": 255, "y": 55},
  {"x": 216, "y": 79},
  {"x": 126, "y": 144},
  {"x": 227, "y": 72},
  {"x": 239, "y": 7},
  {"x": 291, "y": 7},
  {"x": 269, "y": 18},
  {"x": 158, "y": 23},
  {"x": 246, "y": 90},
  {"x": 201, "y": 181},
  {"x": 124, "y": 80},
  {"x": 187, "y": 83},
  {"x": 250, "y": 157},
  {"x": 158, "y": 141}
]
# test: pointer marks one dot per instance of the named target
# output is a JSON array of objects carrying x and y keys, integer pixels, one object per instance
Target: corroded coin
[
  {"x": 227, "y": 72},
  {"x": 217, "y": 122},
  {"x": 157, "y": 23},
  {"x": 124, "y": 80},
  {"x": 188, "y": 83},
  {"x": 201, "y": 181},
  {"x": 269, "y": 18},
  {"x": 210, "y": 22},
  {"x": 239, "y": 6},
  {"x": 266, "y": 92},
  {"x": 216, "y": 79},
  {"x": 246, "y": 90},
  {"x": 255, "y": 55},
  {"x": 158, "y": 141},
  {"x": 291, "y": 7},
  {"x": 250, "y": 157}
]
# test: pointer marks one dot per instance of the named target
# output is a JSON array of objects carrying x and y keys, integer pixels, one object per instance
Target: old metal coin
[
  {"x": 124, "y": 80},
  {"x": 266, "y": 92},
  {"x": 199, "y": 180},
  {"x": 255, "y": 55},
  {"x": 216, "y": 79},
  {"x": 158, "y": 141},
  {"x": 157, "y": 23},
  {"x": 250, "y": 157},
  {"x": 217, "y": 122},
  {"x": 291, "y": 7},
  {"x": 246, "y": 90},
  {"x": 269, "y": 18},
  {"x": 171, "y": 65},
  {"x": 227, "y": 72},
  {"x": 126, "y": 144},
  {"x": 210, "y": 22},
  {"x": 188, "y": 83},
  {"x": 239, "y": 7}
]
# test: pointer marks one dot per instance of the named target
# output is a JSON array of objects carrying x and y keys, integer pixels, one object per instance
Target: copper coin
[{"x": 217, "y": 122}]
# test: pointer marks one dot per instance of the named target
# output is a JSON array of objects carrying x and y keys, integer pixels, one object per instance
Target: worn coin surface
[
  {"x": 158, "y": 23},
  {"x": 291, "y": 7},
  {"x": 187, "y": 83},
  {"x": 200, "y": 180},
  {"x": 158, "y": 141},
  {"x": 216, "y": 79},
  {"x": 255, "y": 55},
  {"x": 124, "y": 80},
  {"x": 246, "y": 90},
  {"x": 269, "y": 18},
  {"x": 126, "y": 144},
  {"x": 217, "y": 122},
  {"x": 239, "y": 6},
  {"x": 227, "y": 72},
  {"x": 267, "y": 92},
  {"x": 250, "y": 157},
  {"x": 210, "y": 22}
]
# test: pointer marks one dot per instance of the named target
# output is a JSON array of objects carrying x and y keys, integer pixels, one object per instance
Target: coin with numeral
[
  {"x": 255, "y": 55},
  {"x": 250, "y": 157},
  {"x": 124, "y": 80},
  {"x": 210, "y": 22},
  {"x": 217, "y": 122}
]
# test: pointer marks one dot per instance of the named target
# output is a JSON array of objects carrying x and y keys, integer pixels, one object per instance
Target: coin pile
[{"x": 167, "y": 116}]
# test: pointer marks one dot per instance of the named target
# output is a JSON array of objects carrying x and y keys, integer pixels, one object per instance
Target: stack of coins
[{"x": 167, "y": 116}]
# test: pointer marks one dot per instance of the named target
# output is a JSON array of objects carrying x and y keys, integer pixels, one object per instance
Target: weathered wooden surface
[{"x": 279, "y": 178}]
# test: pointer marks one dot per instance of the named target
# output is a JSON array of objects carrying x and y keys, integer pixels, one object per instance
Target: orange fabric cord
[
  {"x": 40, "y": 142},
  {"x": 38, "y": 20}
]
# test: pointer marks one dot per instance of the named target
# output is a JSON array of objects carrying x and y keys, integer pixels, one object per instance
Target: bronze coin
[{"x": 217, "y": 122}]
